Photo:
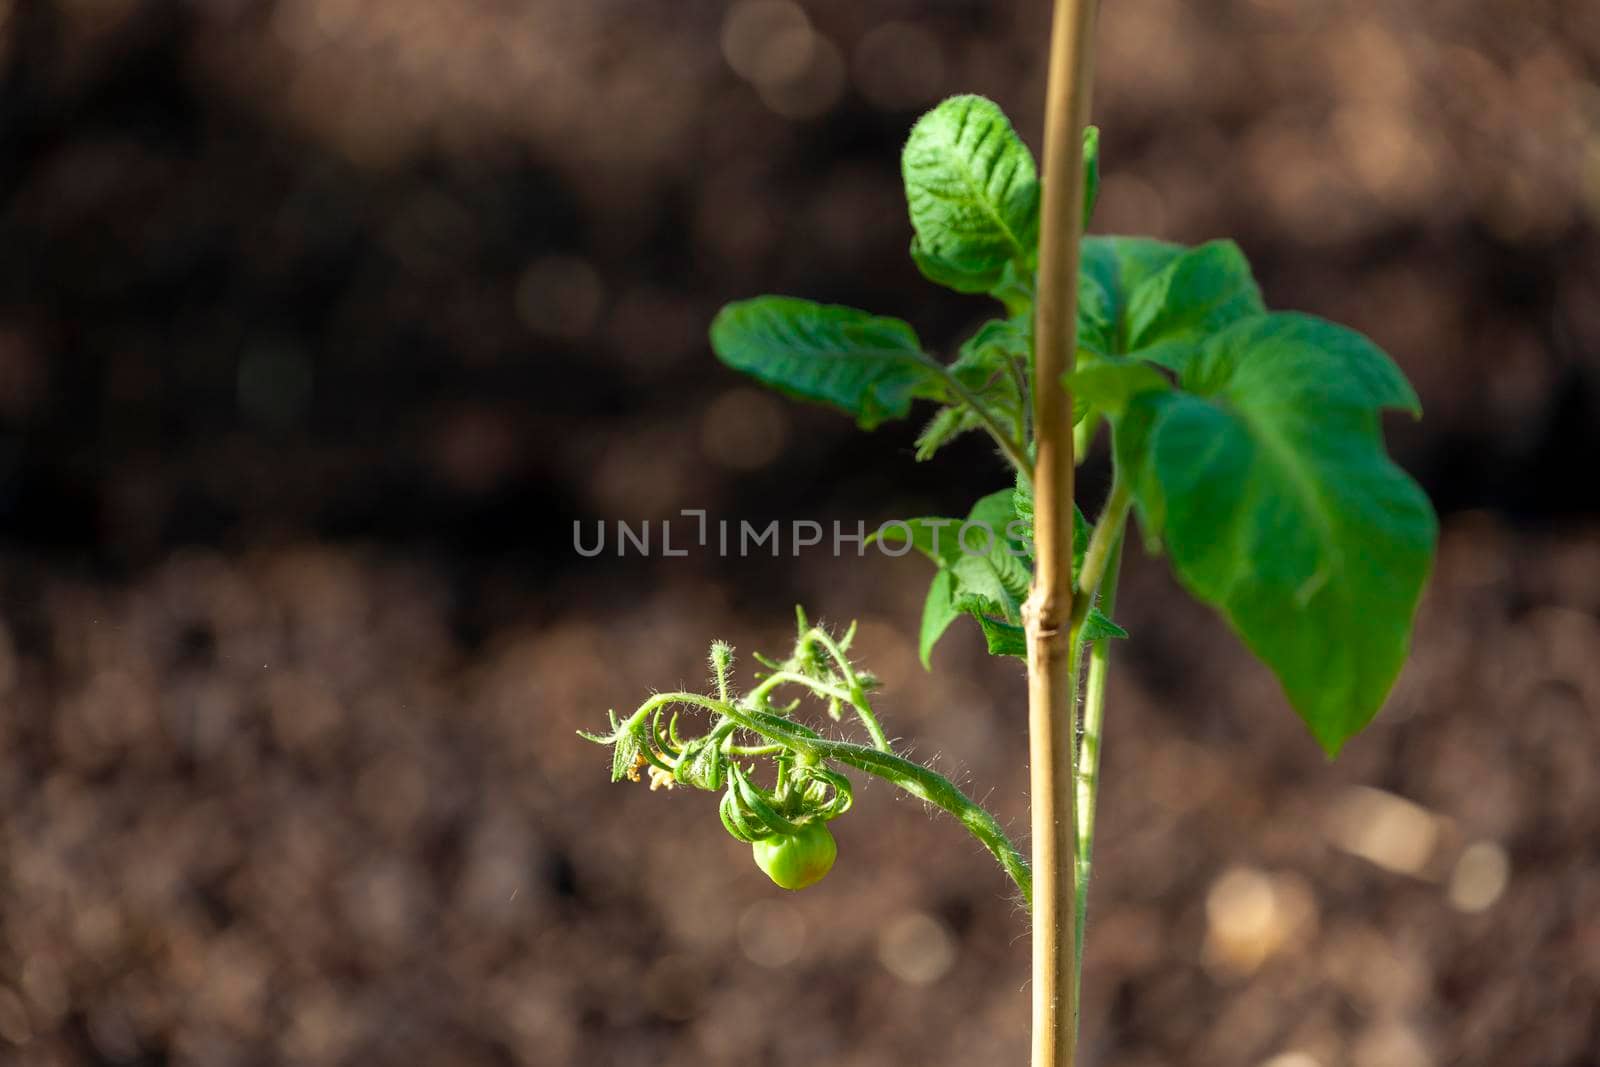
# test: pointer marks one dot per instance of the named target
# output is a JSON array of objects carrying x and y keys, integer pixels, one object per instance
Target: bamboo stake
[{"x": 1052, "y": 674}]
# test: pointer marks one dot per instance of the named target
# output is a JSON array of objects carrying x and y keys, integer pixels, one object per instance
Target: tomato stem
[
  {"x": 1094, "y": 704},
  {"x": 921, "y": 782},
  {"x": 1010, "y": 447}
]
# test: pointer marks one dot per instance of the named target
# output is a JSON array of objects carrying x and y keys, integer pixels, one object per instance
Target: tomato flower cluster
[{"x": 785, "y": 823}]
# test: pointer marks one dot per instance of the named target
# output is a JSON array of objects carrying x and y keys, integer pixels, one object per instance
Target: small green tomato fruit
[{"x": 794, "y": 861}]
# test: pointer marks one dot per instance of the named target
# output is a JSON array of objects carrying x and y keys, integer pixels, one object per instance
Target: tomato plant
[{"x": 1247, "y": 442}]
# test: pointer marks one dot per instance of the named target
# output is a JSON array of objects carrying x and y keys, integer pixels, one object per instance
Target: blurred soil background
[{"x": 321, "y": 321}]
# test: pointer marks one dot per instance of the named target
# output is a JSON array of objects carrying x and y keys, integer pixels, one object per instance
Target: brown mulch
[{"x": 271, "y": 809}]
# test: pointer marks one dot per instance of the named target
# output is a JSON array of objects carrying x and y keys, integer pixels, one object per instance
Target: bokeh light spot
[
  {"x": 917, "y": 948},
  {"x": 744, "y": 429},
  {"x": 1480, "y": 877},
  {"x": 767, "y": 42},
  {"x": 771, "y": 933}
]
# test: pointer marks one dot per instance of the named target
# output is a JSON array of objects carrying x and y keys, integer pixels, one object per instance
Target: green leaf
[
  {"x": 702, "y": 764},
  {"x": 988, "y": 585},
  {"x": 938, "y": 612},
  {"x": 867, "y": 366},
  {"x": 626, "y": 751},
  {"x": 1097, "y": 322},
  {"x": 1080, "y": 540},
  {"x": 1107, "y": 384},
  {"x": 1153, "y": 302},
  {"x": 947, "y": 424},
  {"x": 979, "y": 585},
  {"x": 933, "y": 536},
  {"x": 1009, "y": 639},
  {"x": 1016, "y": 289},
  {"x": 992, "y": 563},
  {"x": 973, "y": 194},
  {"x": 1139, "y": 296},
  {"x": 1003, "y": 638},
  {"x": 1112, "y": 268},
  {"x": 1193, "y": 296},
  {"x": 1022, "y": 504},
  {"x": 1097, "y": 627},
  {"x": 983, "y": 565},
  {"x": 1268, "y": 479},
  {"x": 987, "y": 365},
  {"x": 983, "y": 557},
  {"x": 950, "y": 274},
  {"x": 992, "y": 351}
]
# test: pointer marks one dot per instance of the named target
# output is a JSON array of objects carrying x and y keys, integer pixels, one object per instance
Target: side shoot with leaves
[{"x": 1248, "y": 442}]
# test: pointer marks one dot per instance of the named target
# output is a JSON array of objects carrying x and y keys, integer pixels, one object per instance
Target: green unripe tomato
[{"x": 794, "y": 861}]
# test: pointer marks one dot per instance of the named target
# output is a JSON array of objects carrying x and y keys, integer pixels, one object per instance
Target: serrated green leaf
[
  {"x": 931, "y": 535},
  {"x": 981, "y": 559},
  {"x": 1022, "y": 507},
  {"x": 980, "y": 577},
  {"x": 867, "y": 366},
  {"x": 987, "y": 581},
  {"x": 947, "y": 424},
  {"x": 1097, "y": 627},
  {"x": 1010, "y": 639},
  {"x": 973, "y": 194},
  {"x": 1268, "y": 479},
  {"x": 1003, "y": 638},
  {"x": 1022, "y": 501},
  {"x": 992, "y": 563},
  {"x": 1006, "y": 637}
]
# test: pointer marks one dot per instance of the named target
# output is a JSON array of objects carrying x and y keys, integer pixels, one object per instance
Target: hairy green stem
[
  {"x": 1019, "y": 375},
  {"x": 753, "y": 750},
  {"x": 857, "y": 697},
  {"x": 852, "y": 696},
  {"x": 1013, "y": 450},
  {"x": 942, "y": 793},
  {"x": 780, "y": 678},
  {"x": 1094, "y": 704},
  {"x": 1107, "y": 533},
  {"x": 913, "y": 778},
  {"x": 1083, "y": 437}
]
